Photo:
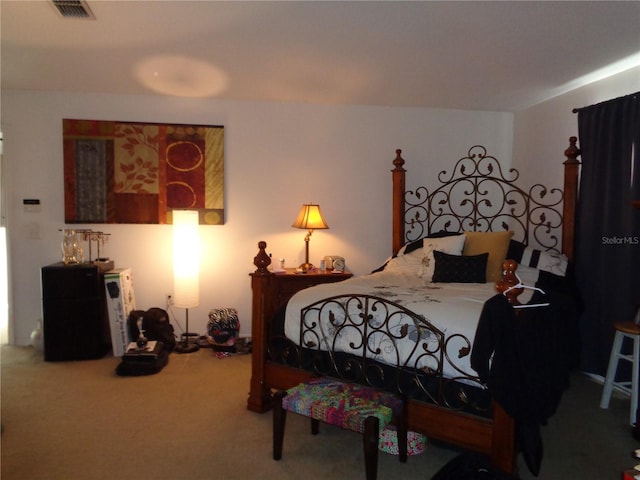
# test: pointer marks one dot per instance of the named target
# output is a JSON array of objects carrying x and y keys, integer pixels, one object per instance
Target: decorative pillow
[
  {"x": 405, "y": 263},
  {"x": 528, "y": 275},
  {"x": 410, "y": 247},
  {"x": 495, "y": 244},
  {"x": 460, "y": 268},
  {"x": 515, "y": 250},
  {"x": 549, "y": 261},
  {"x": 417, "y": 244},
  {"x": 452, "y": 245}
]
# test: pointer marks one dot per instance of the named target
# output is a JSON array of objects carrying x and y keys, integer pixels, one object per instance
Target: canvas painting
[{"x": 131, "y": 172}]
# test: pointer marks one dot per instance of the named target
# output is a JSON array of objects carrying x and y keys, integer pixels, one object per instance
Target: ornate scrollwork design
[
  {"x": 477, "y": 195},
  {"x": 377, "y": 342},
  {"x": 282, "y": 350}
]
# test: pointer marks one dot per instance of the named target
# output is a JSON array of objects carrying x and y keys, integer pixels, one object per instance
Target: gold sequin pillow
[{"x": 495, "y": 244}]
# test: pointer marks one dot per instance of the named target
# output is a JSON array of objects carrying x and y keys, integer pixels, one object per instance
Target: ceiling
[{"x": 477, "y": 55}]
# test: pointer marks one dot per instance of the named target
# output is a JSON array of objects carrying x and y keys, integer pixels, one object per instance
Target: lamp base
[
  {"x": 187, "y": 347},
  {"x": 305, "y": 267},
  {"x": 188, "y": 343}
]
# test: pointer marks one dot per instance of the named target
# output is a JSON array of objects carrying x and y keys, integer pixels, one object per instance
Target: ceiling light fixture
[{"x": 181, "y": 76}]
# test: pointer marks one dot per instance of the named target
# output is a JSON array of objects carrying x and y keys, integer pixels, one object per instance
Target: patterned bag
[{"x": 223, "y": 329}]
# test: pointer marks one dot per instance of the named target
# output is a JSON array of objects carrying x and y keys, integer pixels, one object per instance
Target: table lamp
[{"x": 309, "y": 218}]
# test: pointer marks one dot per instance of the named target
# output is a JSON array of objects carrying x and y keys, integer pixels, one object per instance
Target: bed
[{"x": 448, "y": 400}]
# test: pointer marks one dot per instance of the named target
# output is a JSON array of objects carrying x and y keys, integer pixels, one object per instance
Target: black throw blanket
[{"x": 526, "y": 359}]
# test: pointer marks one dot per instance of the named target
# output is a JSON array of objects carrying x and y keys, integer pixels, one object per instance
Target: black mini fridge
[{"x": 75, "y": 323}]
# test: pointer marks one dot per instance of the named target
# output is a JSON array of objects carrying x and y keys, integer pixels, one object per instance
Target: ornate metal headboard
[{"x": 477, "y": 196}]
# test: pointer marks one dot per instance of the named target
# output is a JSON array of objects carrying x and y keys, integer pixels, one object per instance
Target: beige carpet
[{"x": 78, "y": 420}]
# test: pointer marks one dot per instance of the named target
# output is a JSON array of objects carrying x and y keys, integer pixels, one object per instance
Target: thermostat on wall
[{"x": 31, "y": 205}]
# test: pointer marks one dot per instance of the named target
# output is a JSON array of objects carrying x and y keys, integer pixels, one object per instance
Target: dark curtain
[{"x": 607, "y": 225}]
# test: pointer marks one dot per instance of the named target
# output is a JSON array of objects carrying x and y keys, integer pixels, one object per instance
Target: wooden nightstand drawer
[{"x": 286, "y": 284}]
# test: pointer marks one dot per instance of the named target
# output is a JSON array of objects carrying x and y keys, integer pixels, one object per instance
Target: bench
[{"x": 350, "y": 406}]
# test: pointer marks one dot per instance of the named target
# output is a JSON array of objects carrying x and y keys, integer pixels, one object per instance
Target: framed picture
[{"x": 132, "y": 172}]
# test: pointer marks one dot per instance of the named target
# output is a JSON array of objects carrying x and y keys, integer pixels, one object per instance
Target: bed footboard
[
  {"x": 352, "y": 337},
  {"x": 355, "y": 357},
  {"x": 376, "y": 342}
]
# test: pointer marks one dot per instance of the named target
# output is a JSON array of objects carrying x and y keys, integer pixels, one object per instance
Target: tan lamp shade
[{"x": 310, "y": 218}]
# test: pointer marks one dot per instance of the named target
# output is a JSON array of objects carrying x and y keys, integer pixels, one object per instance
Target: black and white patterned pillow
[
  {"x": 460, "y": 268},
  {"x": 549, "y": 261}
]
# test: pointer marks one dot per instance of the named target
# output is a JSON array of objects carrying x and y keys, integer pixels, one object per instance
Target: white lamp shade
[{"x": 186, "y": 259}]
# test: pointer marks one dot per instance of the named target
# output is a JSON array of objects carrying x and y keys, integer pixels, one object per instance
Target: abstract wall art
[{"x": 132, "y": 172}]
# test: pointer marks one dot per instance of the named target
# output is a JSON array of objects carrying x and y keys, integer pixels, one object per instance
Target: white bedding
[{"x": 454, "y": 308}]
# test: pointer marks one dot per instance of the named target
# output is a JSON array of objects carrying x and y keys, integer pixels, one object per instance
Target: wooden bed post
[
  {"x": 259, "y": 394},
  {"x": 571, "y": 168},
  {"x": 503, "y": 440},
  {"x": 398, "y": 202}
]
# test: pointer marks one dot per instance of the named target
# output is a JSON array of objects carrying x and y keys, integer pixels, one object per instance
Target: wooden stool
[
  {"x": 623, "y": 330},
  {"x": 350, "y": 406}
]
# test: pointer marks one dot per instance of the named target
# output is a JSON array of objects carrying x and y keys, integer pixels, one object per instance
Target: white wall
[
  {"x": 541, "y": 133},
  {"x": 277, "y": 156}
]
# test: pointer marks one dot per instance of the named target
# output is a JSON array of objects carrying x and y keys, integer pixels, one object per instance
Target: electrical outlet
[{"x": 169, "y": 300}]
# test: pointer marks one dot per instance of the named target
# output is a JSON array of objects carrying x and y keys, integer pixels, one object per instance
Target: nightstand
[
  {"x": 286, "y": 284},
  {"x": 275, "y": 290},
  {"x": 271, "y": 291}
]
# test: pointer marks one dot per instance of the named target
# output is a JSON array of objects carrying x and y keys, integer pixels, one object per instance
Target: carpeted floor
[{"x": 78, "y": 420}]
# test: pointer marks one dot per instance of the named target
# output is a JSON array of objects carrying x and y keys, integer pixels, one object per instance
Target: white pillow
[
  {"x": 452, "y": 245},
  {"x": 528, "y": 275},
  {"x": 405, "y": 263},
  {"x": 549, "y": 261}
]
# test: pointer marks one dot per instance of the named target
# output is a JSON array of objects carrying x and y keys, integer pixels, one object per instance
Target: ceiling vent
[{"x": 73, "y": 9}]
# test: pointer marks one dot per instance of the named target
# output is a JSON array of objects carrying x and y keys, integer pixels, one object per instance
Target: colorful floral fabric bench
[{"x": 346, "y": 405}]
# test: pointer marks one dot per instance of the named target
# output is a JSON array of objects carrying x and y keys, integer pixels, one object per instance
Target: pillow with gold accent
[
  {"x": 495, "y": 244},
  {"x": 460, "y": 268}
]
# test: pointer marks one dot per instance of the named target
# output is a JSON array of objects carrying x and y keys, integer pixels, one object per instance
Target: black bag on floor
[
  {"x": 139, "y": 361},
  {"x": 156, "y": 326},
  {"x": 470, "y": 466}
]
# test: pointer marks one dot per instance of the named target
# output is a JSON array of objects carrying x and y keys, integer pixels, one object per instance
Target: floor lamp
[{"x": 186, "y": 270}]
